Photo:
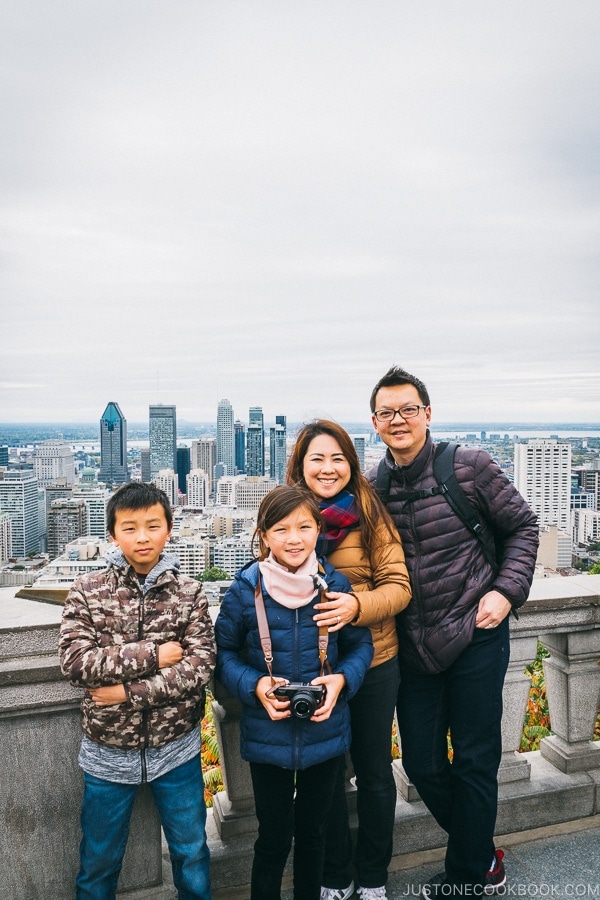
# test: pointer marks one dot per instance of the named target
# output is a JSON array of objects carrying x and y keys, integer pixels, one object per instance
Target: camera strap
[{"x": 265, "y": 634}]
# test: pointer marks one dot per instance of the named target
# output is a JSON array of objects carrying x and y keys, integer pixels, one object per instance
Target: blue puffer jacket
[{"x": 291, "y": 743}]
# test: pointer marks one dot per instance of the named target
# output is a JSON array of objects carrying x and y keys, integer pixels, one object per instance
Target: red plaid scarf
[{"x": 340, "y": 515}]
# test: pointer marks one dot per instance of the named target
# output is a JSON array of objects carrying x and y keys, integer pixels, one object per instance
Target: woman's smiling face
[{"x": 325, "y": 468}]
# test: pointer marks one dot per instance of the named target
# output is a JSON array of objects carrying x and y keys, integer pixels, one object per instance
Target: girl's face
[
  {"x": 325, "y": 468},
  {"x": 293, "y": 539}
]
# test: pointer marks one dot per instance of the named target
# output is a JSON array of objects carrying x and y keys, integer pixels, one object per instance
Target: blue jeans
[
  {"x": 372, "y": 715},
  {"x": 463, "y": 795},
  {"x": 105, "y": 815}
]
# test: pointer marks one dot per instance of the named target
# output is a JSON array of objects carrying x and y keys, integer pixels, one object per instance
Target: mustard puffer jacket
[{"x": 380, "y": 583}]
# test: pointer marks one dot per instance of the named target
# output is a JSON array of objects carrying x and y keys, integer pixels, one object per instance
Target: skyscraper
[
  {"x": 240, "y": 447},
  {"x": 225, "y": 436},
  {"x": 255, "y": 442},
  {"x": 197, "y": 488},
  {"x": 66, "y": 521},
  {"x": 204, "y": 456},
  {"x": 19, "y": 498},
  {"x": 113, "y": 446},
  {"x": 183, "y": 467},
  {"x": 359, "y": 446},
  {"x": 543, "y": 477},
  {"x": 278, "y": 450},
  {"x": 5, "y": 537},
  {"x": 52, "y": 460},
  {"x": 163, "y": 438}
]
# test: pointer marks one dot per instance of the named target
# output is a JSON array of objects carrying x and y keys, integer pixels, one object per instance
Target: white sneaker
[
  {"x": 338, "y": 893},
  {"x": 377, "y": 893}
]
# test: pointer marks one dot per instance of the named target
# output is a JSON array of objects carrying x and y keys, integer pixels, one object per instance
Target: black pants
[
  {"x": 372, "y": 715},
  {"x": 291, "y": 804},
  {"x": 463, "y": 796}
]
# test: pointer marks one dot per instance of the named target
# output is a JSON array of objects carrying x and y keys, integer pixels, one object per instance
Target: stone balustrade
[{"x": 40, "y": 785}]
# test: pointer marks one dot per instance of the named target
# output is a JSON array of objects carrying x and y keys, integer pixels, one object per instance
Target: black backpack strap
[
  {"x": 383, "y": 481},
  {"x": 385, "y": 476},
  {"x": 443, "y": 469}
]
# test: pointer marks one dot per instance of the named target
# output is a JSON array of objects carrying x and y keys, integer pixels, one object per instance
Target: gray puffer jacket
[{"x": 448, "y": 569}]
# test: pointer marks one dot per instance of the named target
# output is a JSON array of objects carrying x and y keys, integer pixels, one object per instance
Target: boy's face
[{"x": 141, "y": 534}]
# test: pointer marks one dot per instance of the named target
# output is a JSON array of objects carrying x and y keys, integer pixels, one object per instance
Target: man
[{"x": 453, "y": 636}]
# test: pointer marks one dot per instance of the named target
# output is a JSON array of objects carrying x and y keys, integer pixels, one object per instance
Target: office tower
[
  {"x": 278, "y": 450},
  {"x": 254, "y": 450},
  {"x": 145, "y": 465},
  {"x": 226, "y": 489},
  {"x": 230, "y": 554},
  {"x": 163, "y": 438},
  {"x": 240, "y": 447},
  {"x": 543, "y": 477},
  {"x": 204, "y": 456},
  {"x": 183, "y": 467},
  {"x": 197, "y": 488},
  {"x": 166, "y": 480},
  {"x": 66, "y": 521},
  {"x": 52, "y": 460},
  {"x": 250, "y": 492},
  {"x": 95, "y": 499},
  {"x": 359, "y": 446},
  {"x": 225, "y": 437},
  {"x": 589, "y": 480},
  {"x": 19, "y": 498},
  {"x": 5, "y": 537},
  {"x": 3, "y": 456},
  {"x": 113, "y": 446},
  {"x": 57, "y": 490},
  {"x": 255, "y": 442}
]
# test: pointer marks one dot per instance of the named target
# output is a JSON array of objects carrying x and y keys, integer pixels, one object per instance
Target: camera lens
[{"x": 303, "y": 705}]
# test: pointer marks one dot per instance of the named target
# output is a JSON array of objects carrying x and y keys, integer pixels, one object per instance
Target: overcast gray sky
[{"x": 274, "y": 201}]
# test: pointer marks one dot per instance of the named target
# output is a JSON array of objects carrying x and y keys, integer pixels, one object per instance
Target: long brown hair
[
  {"x": 278, "y": 504},
  {"x": 371, "y": 511}
]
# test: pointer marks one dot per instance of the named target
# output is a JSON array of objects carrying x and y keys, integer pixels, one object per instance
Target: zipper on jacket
[
  {"x": 144, "y": 735},
  {"x": 296, "y": 677}
]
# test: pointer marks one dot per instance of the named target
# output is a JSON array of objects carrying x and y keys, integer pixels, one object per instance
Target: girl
[
  {"x": 294, "y": 761},
  {"x": 361, "y": 542}
]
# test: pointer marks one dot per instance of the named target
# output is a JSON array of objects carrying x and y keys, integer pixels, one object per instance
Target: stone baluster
[
  {"x": 523, "y": 648},
  {"x": 233, "y": 808},
  {"x": 572, "y": 679}
]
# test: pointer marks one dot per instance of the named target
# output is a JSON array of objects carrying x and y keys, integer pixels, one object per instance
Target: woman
[{"x": 361, "y": 542}]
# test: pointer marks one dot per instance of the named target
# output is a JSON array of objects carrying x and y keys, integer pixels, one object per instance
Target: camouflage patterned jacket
[{"x": 110, "y": 632}]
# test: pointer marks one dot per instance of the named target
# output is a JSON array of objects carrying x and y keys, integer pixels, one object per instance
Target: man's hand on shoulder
[{"x": 493, "y": 608}]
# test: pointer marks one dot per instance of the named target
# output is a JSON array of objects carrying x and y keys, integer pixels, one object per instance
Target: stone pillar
[
  {"x": 41, "y": 784},
  {"x": 572, "y": 679},
  {"x": 233, "y": 808},
  {"x": 514, "y": 766}
]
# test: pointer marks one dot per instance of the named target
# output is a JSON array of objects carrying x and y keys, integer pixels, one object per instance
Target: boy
[{"x": 139, "y": 638}]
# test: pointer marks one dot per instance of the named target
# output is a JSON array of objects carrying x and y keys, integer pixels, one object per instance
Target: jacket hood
[{"x": 168, "y": 562}]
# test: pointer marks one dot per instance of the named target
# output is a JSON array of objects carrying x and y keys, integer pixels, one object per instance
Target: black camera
[{"x": 304, "y": 698}]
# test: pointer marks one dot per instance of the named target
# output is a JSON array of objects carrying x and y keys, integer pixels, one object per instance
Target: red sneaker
[{"x": 495, "y": 880}]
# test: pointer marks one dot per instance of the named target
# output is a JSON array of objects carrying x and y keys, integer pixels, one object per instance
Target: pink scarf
[{"x": 291, "y": 589}]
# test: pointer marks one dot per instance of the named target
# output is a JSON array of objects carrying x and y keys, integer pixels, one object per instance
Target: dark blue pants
[
  {"x": 291, "y": 804},
  {"x": 372, "y": 713},
  {"x": 462, "y": 796},
  {"x": 105, "y": 816}
]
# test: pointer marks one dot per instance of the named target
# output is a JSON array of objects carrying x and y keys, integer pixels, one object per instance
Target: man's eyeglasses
[{"x": 388, "y": 415}]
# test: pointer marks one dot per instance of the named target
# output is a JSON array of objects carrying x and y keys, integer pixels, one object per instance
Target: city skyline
[{"x": 274, "y": 202}]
